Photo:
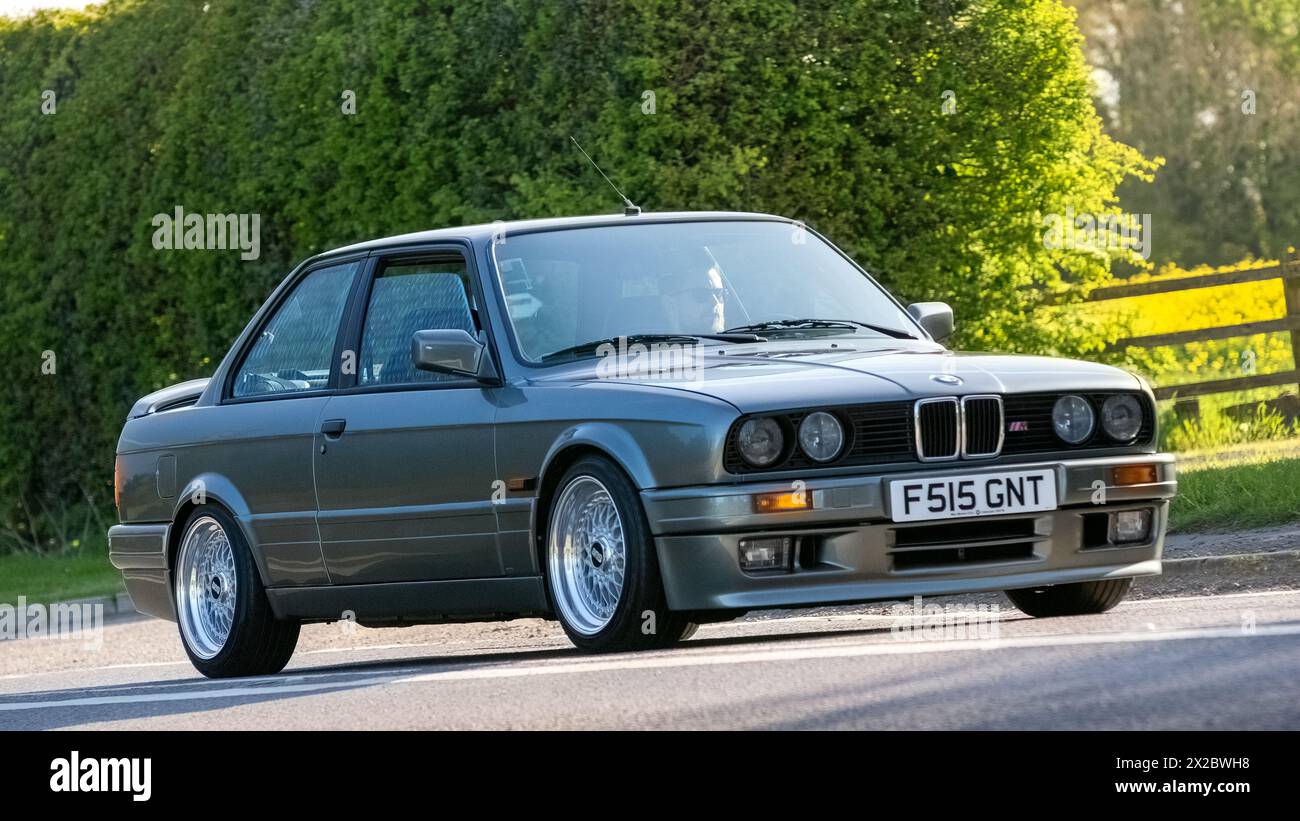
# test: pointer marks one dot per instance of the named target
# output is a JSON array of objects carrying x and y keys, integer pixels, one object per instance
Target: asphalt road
[{"x": 1218, "y": 662}]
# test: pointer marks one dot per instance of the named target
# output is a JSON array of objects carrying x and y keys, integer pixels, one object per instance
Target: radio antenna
[{"x": 630, "y": 209}]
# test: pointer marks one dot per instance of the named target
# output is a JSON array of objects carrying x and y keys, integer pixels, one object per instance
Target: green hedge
[{"x": 831, "y": 112}]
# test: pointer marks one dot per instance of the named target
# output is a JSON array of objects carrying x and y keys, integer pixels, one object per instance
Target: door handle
[{"x": 333, "y": 428}]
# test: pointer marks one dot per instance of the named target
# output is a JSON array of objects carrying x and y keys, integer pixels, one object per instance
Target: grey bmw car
[{"x": 631, "y": 424}]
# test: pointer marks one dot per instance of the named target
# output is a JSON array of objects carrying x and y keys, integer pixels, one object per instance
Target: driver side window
[
  {"x": 406, "y": 298},
  {"x": 293, "y": 351}
]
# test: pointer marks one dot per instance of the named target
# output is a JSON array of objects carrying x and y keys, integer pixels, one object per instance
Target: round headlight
[
  {"x": 821, "y": 436},
  {"x": 1073, "y": 418},
  {"x": 760, "y": 441},
  {"x": 1121, "y": 417}
]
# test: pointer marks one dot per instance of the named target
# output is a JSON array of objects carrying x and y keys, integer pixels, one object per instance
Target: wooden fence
[{"x": 1288, "y": 270}]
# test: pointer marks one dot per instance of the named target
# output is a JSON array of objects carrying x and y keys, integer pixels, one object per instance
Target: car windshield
[{"x": 568, "y": 288}]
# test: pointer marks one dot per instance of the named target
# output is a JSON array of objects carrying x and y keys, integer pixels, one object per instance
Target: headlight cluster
[
  {"x": 1121, "y": 417},
  {"x": 1075, "y": 420},
  {"x": 761, "y": 440},
  {"x": 821, "y": 436},
  {"x": 884, "y": 432}
]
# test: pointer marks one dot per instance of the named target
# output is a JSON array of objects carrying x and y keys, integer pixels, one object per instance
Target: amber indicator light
[{"x": 1135, "y": 475}]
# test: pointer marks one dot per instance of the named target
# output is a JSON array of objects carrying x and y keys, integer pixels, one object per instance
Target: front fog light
[
  {"x": 1132, "y": 526},
  {"x": 772, "y": 553}
]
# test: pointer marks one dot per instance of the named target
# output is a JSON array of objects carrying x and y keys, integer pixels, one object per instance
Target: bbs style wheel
[
  {"x": 225, "y": 619},
  {"x": 602, "y": 572}
]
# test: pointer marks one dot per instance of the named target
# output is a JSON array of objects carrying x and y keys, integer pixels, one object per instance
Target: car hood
[{"x": 774, "y": 376}]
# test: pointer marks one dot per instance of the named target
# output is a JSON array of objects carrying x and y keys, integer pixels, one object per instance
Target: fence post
[
  {"x": 1187, "y": 409},
  {"x": 1291, "y": 288}
]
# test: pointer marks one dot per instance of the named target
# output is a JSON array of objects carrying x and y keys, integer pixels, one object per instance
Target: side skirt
[{"x": 395, "y": 603}]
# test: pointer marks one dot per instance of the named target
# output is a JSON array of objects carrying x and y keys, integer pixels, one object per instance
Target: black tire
[
  {"x": 1078, "y": 599},
  {"x": 258, "y": 643},
  {"x": 641, "y": 620}
]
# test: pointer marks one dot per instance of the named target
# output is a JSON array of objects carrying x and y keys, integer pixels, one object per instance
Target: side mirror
[
  {"x": 934, "y": 317},
  {"x": 452, "y": 351}
]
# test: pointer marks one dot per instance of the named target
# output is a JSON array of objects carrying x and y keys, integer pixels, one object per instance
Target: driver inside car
[{"x": 694, "y": 302}]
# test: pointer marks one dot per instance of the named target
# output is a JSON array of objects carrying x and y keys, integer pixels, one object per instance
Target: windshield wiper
[
  {"x": 800, "y": 324},
  {"x": 645, "y": 339}
]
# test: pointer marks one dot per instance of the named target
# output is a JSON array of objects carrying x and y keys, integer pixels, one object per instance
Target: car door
[
  {"x": 260, "y": 437},
  {"x": 404, "y": 458}
]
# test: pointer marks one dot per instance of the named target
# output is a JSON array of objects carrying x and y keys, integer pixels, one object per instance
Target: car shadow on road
[
  {"x": 88, "y": 706},
  {"x": 84, "y": 707}
]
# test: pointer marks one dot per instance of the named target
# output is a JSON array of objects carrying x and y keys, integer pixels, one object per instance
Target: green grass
[
  {"x": 1238, "y": 488},
  {"x": 57, "y": 577},
  {"x": 1212, "y": 428}
]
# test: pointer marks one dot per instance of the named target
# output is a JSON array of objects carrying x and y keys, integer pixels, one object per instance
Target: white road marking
[
  {"x": 848, "y": 650},
  {"x": 1010, "y": 612},
  {"x": 674, "y": 659},
  {"x": 724, "y": 628},
  {"x": 1209, "y": 597},
  {"x": 538, "y": 643},
  {"x": 133, "y": 666},
  {"x": 260, "y": 682},
  {"x": 198, "y": 695}
]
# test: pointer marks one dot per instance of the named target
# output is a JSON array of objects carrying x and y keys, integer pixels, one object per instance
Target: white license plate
[{"x": 980, "y": 494}]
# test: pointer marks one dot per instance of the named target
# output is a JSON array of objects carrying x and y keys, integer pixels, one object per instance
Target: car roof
[{"x": 484, "y": 232}]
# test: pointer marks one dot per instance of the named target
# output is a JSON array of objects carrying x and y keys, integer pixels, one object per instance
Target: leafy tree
[{"x": 1211, "y": 85}]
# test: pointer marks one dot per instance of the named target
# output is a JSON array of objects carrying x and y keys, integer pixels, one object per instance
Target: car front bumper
[{"x": 847, "y": 548}]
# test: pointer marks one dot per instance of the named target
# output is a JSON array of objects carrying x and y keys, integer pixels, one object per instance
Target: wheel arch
[
  {"x": 566, "y": 453},
  {"x": 211, "y": 490},
  {"x": 642, "y": 592}
]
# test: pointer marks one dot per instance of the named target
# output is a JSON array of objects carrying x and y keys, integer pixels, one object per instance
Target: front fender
[{"x": 614, "y": 441}]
